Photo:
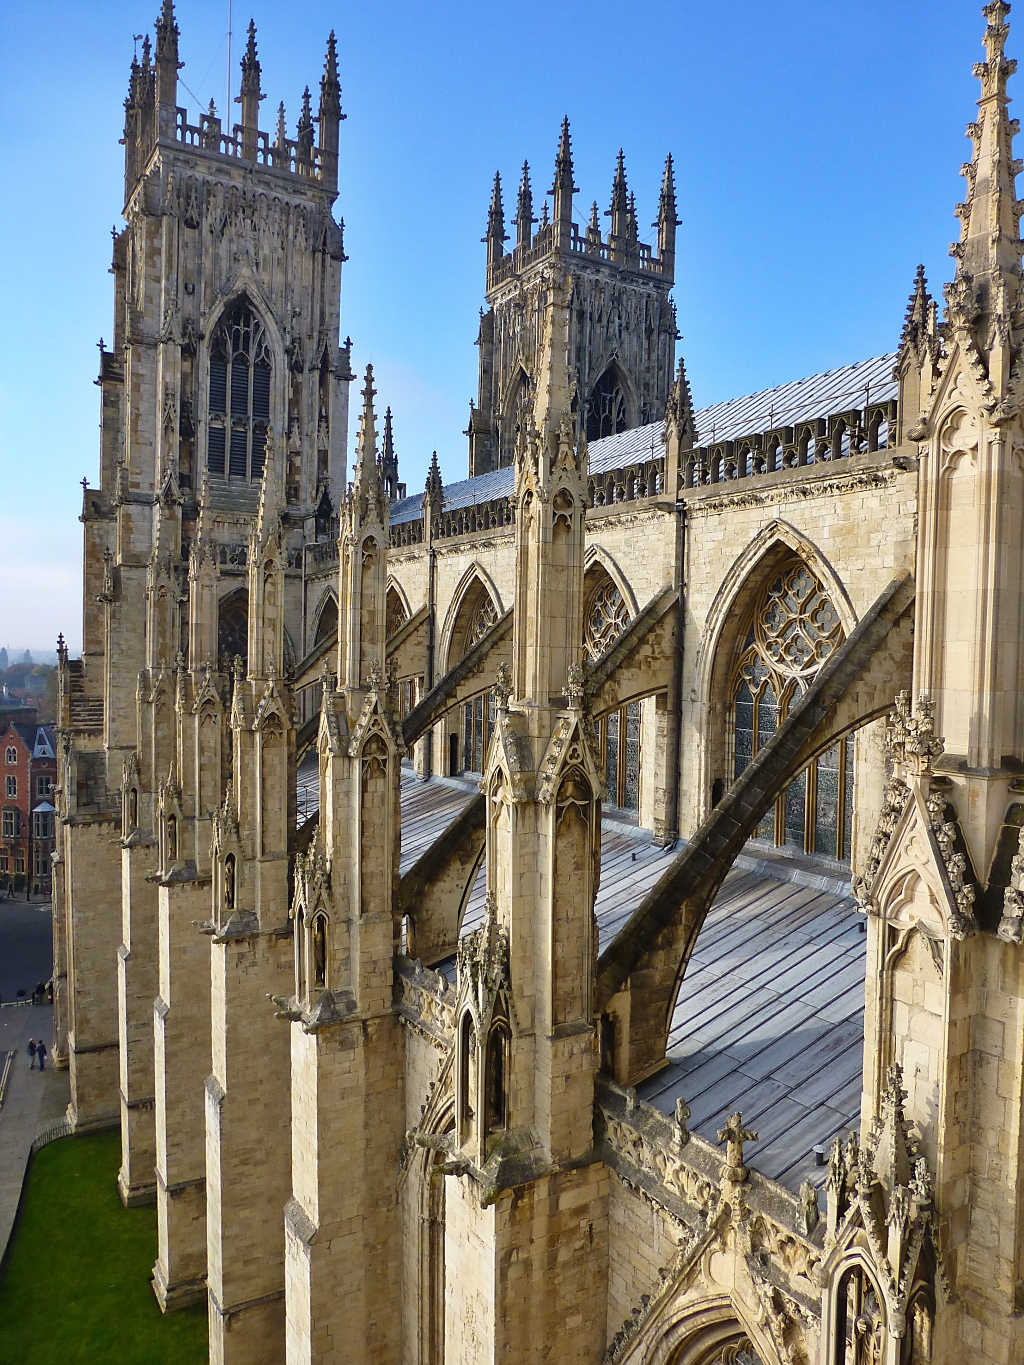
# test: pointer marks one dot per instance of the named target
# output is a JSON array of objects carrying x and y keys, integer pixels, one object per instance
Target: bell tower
[{"x": 622, "y": 325}]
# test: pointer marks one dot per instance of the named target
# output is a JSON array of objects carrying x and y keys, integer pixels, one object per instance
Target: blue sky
[{"x": 817, "y": 149}]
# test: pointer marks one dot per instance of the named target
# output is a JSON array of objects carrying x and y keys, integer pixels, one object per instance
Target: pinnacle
[
  {"x": 563, "y": 162},
  {"x": 667, "y": 202},
  {"x": 250, "y": 46}
]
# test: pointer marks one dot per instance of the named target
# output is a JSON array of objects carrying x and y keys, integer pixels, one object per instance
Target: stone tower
[
  {"x": 224, "y": 419},
  {"x": 622, "y": 326}
]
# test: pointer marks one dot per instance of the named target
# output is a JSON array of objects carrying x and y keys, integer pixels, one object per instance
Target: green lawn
[{"x": 77, "y": 1282}]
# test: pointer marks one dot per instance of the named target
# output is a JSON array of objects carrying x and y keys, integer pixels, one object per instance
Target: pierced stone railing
[
  {"x": 641, "y": 479},
  {"x": 836, "y": 437},
  {"x": 283, "y": 153},
  {"x": 636, "y": 256},
  {"x": 477, "y": 518},
  {"x": 407, "y": 533}
]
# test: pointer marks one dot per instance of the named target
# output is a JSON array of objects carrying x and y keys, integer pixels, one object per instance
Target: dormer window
[{"x": 239, "y": 396}]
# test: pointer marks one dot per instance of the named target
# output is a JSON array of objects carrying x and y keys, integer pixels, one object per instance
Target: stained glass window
[
  {"x": 606, "y": 617},
  {"x": 795, "y": 627},
  {"x": 239, "y": 395}
]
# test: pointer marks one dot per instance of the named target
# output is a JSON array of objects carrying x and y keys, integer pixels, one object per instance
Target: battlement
[{"x": 153, "y": 115}]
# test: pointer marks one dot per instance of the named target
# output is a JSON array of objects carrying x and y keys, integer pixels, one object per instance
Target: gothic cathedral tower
[{"x": 622, "y": 330}]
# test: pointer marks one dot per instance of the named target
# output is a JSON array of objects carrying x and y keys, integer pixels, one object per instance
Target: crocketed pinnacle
[
  {"x": 330, "y": 86},
  {"x": 667, "y": 200},
  {"x": 563, "y": 163},
  {"x": 680, "y": 408},
  {"x": 524, "y": 207},
  {"x": 251, "y": 65},
  {"x": 632, "y": 232},
  {"x": 388, "y": 460},
  {"x": 619, "y": 193},
  {"x": 984, "y": 292},
  {"x": 167, "y": 33},
  {"x": 366, "y": 443},
  {"x": 916, "y": 322},
  {"x": 282, "y": 130},
  {"x": 434, "y": 488},
  {"x": 496, "y": 213}
]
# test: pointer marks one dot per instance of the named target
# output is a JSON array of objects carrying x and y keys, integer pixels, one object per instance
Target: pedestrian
[
  {"x": 32, "y": 1054},
  {"x": 41, "y": 1054}
]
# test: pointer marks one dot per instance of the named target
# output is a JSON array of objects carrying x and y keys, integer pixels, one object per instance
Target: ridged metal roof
[{"x": 787, "y": 405}]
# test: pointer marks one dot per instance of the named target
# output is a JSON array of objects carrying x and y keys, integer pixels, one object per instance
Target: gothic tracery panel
[
  {"x": 794, "y": 628},
  {"x": 239, "y": 395},
  {"x": 607, "y": 616}
]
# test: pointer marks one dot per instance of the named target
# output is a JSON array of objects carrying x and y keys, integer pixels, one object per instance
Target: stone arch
[
  {"x": 325, "y": 622},
  {"x": 473, "y": 588},
  {"x": 597, "y": 557},
  {"x": 395, "y": 612},
  {"x": 705, "y": 1333},
  {"x": 233, "y": 628},
  {"x": 245, "y": 289},
  {"x": 725, "y": 630},
  {"x": 611, "y": 402}
]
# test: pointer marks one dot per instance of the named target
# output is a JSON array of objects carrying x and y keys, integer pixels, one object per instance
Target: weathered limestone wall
[
  {"x": 642, "y": 1239},
  {"x": 93, "y": 918},
  {"x": 137, "y": 985},
  {"x": 248, "y": 1150},
  {"x": 182, "y": 1053}
]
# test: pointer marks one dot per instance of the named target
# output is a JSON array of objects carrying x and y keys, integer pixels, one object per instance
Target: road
[{"x": 26, "y": 946}]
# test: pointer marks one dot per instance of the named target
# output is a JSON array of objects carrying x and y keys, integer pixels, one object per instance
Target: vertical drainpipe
[
  {"x": 428, "y": 531},
  {"x": 675, "y": 697}
]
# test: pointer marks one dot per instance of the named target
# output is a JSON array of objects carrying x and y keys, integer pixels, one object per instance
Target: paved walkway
[{"x": 31, "y": 1101}]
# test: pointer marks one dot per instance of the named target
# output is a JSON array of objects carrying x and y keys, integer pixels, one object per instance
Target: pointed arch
[
  {"x": 233, "y": 628},
  {"x": 725, "y": 634},
  {"x": 325, "y": 622},
  {"x": 516, "y": 403},
  {"x": 598, "y": 557},
  {"x": 611, "y": 404},
  {"x": 474, "y": 587},
  {"x": 242, "y": 379},
  {"x": 396, "y": 610}
]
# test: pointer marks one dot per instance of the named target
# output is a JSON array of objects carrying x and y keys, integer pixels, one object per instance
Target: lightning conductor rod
[{"x": 226, "y": 122}]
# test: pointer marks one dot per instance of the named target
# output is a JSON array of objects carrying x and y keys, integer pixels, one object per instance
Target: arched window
[
  {"x": 477, "y": 615},
  {"x": 605, "y": 618},
  {"x": 239, "y": 394},
  {"x": 233, "y": 629},
  {"x": 318, "y": 949},
  {"x": 607, "y": 410},
  {"x": 794, "y": 628},
  {"x": 466, "y": 1073},
  {"x": 496, "y": 1076},
  {"x": 860, "y": 1320},
  {"x": 229, "y": 882},
  {"x": 327, "y": 621},
  {"x": 396, "y": 613}
]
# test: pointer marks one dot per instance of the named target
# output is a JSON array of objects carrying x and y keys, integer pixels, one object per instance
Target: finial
[
  {"x": 667, "y": 199},
  {"x": 524, "y": 209},
  {"x": 916, "y": 323},
  {"x": 495, "y": 222},
  {"x": 167, "y": 35},
  {"x": 282, "y": 129},
  {"x": 388, "y": 459},
  {"x": 304, "y": 133},
  {"x": 619, "y": 202},
  {"x": 366, "y": 444},
  {"x": 502, "y": 689},
  {"x": 631, "y": 228},
  {"x": 563, "y": 188},
  {"x": 330, "y": 87},
  {"x": 250, "y": 69},
  {"x": 434, "y": 487},
  {"x": 544, "y": 219}
]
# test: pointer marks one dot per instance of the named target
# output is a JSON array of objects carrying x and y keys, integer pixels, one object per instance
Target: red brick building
[{"x": 28, "y": 773}]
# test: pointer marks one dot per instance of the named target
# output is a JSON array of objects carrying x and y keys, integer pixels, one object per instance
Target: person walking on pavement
[
  {"x": 32, "y": 1054},
  {"x": 41, "y": 1054}
]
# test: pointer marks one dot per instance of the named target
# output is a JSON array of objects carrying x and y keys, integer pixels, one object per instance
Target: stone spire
[
  {"x": 524, "y": 209},
  {"x": 563, "y": 188},
  {"x": 250, "y": 96},
  {"x": 984, "y": 294},
  {"x": 495, "y": 238},
  {"x": 594, "y": 227},
  {"x": 167, "y": 65},
  {"x": 330, "y": 115},
  {"x": 388, "y": 459},
  {"x": 304, "y": 133},
  {"x": 365, "y": 473},
  {"x": 667, "y": 221},
  {"x": 620, "y": 199}
]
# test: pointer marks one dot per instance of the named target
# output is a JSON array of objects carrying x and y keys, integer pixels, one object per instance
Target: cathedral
[{"x": 575, "y": 911}]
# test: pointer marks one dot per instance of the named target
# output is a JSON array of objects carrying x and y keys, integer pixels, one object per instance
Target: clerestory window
[
  {"x": 239, "y": 392},
  {"x": 795, "y": 628},
  {"x": 607, "y": 410}
]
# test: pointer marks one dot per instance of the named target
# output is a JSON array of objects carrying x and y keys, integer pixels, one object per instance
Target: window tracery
[
  {"x": 607, "y": 411},
  {"x": 239, "y": 395},
  {"x": 607, "y": 616},
  {"x": 795, "y": 628},
  {"x": 484, "y": 616}
]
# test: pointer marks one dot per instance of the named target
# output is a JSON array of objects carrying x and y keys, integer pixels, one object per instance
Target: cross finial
[{"x": 735, "y": 1135}]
